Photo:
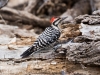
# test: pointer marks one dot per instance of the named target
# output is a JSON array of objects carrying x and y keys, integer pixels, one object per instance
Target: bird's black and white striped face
[{"x": 57, "y": 21}]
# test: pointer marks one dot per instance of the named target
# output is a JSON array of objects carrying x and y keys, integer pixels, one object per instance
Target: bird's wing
[{"x": 49, "y": 36}]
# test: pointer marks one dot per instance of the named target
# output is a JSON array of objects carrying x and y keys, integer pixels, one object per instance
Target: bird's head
[{"x": 57, "y": 20}]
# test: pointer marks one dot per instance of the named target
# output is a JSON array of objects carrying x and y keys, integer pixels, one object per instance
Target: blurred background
[
  {"x": 21, "y": 22},
  {"x": 37, "y": 13}
]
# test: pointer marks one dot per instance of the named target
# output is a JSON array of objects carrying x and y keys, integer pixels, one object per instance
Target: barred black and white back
[{"x": 46, "y": 38}]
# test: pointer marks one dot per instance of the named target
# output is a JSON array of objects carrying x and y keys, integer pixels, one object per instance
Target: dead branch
[
  {"x": 23, "y": 17},
  {"x": 89, "y": 19},
  {"x": 85, "y": 38}
]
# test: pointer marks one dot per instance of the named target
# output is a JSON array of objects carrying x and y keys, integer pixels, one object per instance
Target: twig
[
  {"x": 31, "y": 5},
  {"x": 3, "y": 20},
  {"x": 47, "y": 2}
]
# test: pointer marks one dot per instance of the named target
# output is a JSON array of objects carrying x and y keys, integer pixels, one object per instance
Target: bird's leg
[{"x": 57, "y": 46}]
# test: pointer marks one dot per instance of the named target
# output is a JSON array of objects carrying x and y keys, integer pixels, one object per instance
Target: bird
[{"x": 50, "y": 35}]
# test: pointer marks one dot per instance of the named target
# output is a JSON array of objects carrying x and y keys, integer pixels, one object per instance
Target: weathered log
[
  {"x": 86, "y": 48},
  {"x": 83, "y": 53}
]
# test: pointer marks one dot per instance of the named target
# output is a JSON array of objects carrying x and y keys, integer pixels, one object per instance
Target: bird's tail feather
[{"x": 27, "y": 52}]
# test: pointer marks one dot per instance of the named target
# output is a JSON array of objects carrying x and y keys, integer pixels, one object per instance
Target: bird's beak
[{"x": 63, "y": 18}]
